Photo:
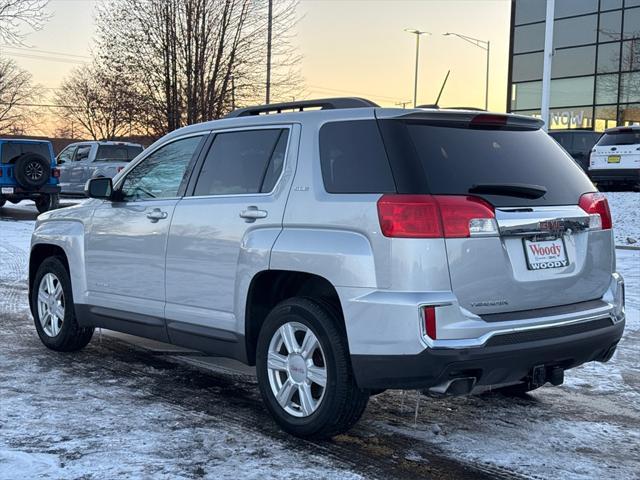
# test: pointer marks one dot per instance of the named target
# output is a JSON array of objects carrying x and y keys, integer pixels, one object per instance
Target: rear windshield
[
  {"x": 620, "y": 138},
  {"x": 117, "y": 153},
  {"x": 11, "y": 150},
  {"x": 452, "y": 160}
]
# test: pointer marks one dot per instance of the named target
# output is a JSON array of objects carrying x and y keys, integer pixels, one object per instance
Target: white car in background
[{"x": 615, "y": 159}]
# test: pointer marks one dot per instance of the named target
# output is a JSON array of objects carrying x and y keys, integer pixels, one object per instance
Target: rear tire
[
  {"x": 322, "y": 412},
  {"x": 47, "y": 202},
  {"x": 54, "y": 311},
  {"x": 2, "y": 202}
]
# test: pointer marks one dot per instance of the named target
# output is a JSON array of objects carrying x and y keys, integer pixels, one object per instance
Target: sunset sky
[{"x": 349, "y": 47}]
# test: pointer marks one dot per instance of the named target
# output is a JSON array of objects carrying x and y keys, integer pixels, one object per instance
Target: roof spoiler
[
  {"x": 462, "y": 118},
  {"x": 322, "y": 104}
]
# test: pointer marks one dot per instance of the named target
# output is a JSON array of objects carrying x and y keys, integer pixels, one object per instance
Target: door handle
[
  {"x": 157, "y": 214},
  {"x": 251, "y": 214}
]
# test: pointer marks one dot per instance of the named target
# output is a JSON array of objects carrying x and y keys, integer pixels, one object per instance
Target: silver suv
[{"x": 343, "y": 250}]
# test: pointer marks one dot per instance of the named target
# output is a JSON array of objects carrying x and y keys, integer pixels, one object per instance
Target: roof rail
[{"x": 323, "y": 104}]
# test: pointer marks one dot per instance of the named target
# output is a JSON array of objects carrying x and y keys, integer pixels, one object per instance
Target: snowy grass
[{"x": 625, "y": 210}]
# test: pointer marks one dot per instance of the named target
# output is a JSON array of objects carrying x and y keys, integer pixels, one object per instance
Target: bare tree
[
  {"x": 102, "y": 103},
  {"x": 16, "y": 14},
  {"x": 192, "y": 59},
  {"x": 16, "y": 92}
]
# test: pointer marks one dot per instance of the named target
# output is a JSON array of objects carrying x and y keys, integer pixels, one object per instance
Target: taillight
[
  {"x": 597, "y": 206},
  {"x": 429, "y": 317},
  {"x": 55, "y": 172},
  {"x": 435, "y": 216}
]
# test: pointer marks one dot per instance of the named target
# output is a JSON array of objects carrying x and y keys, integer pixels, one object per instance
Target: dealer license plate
[
  {"x": 544, "y": 254},
  {"x": 7, "y": 190}
]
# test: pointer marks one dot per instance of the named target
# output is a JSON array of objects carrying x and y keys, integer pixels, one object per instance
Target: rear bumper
[
  {"x": 19, "y": 192},
  {"x": 503, "y": 362},
  {"x": 615, "y": 175}
]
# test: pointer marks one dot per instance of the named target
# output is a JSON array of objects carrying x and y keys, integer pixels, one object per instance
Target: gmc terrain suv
[{"x": 343, "y": 249}]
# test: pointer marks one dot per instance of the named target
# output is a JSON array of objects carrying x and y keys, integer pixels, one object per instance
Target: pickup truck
[{"x": 81, "y": 161}]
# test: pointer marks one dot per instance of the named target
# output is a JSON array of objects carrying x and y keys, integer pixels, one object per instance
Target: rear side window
[
  {"x": 353, "y": 158},
  {"x": 243, "y": 162},
  {"x": 629, "y": 137},
  {"x": 11, "y": 150},
  {"x": 117, "y": 153},
  {"x": 455, "y": 159}
]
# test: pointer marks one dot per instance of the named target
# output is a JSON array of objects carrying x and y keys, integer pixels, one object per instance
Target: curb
[{"x": 627, "y": 247}]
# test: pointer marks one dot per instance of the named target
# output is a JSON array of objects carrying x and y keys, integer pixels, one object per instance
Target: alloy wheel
[
  {"x": 297, "y": 371},
  {"x": 51, "y": 304}
]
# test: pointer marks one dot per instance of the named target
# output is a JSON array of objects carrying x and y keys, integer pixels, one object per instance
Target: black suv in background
[{"x": 578, "y": 143}]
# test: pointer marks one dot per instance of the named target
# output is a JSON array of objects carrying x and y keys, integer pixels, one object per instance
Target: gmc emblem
[{"x": 551, "y": 225}]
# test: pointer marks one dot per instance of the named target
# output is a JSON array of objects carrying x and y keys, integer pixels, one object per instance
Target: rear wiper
[{"x": 523, "y": 190}]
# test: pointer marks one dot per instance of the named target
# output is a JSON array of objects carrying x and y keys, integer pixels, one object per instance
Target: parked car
[
  {"x": 615, "y": 159},
  {"x": 578, "y": 143},
  {"x": 81, "y": 161},
  {"x": 343, "y": 250},
  {"x": 28, "y": 172}
]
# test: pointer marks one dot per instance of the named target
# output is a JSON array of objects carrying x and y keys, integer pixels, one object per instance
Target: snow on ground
[
  {"x": 625, "y": 210},
  {"x": 110, "y": 411}
]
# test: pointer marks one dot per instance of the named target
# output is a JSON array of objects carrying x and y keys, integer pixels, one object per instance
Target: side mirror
[
  {"x": 99, "y": 188},
  {"x": 59, "y": 161}
]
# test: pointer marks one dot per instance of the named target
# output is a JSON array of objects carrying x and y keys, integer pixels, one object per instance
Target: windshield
[
  {"x": 117, "y": 153},
  {"x": 504, "y": 166},
  {"x": 622, "y": 137}
]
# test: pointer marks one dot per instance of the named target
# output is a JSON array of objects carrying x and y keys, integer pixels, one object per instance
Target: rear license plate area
[
  {"x": 543, "y": 254},
  {"x": 7, "y": 190},
  {"x": 613, "y": 159}
]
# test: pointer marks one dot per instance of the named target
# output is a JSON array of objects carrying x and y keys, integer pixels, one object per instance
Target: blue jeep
[{"x": 28, "y": 172}]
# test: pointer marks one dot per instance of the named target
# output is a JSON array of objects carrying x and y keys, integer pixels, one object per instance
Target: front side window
[
  {"x": 66, "y": 155},
  {"x": 243, "y": 162},
  {"x": 82, "y": 153},
  {"x": 161, "y": 173}
]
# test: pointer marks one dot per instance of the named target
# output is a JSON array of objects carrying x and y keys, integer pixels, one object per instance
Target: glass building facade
[{"x": 595, "y": 77}]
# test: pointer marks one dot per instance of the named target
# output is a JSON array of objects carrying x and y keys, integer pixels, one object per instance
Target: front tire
[
  {"x": 304, "y": 371},
  {"x": 53, "y": 309}
]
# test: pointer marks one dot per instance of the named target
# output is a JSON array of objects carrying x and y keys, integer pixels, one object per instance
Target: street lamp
[
  {"x": 484, "y": 45},
  {"x": 417, "y": 33}
]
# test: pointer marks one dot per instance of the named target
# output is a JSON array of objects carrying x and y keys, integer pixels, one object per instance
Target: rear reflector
[
  {"x": 429, "y": 316},
  {"x": 435, "y": 216},
  {"x": 55, "y": 172},
  {"x": 596, "y": 204}
]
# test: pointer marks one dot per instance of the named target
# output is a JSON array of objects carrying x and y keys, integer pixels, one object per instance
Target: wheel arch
[{"x": 270, "y": 287}]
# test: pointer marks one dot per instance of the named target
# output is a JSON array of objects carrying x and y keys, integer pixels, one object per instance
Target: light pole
[
  {"x": 269, "y": 33},
  {"x": 417, "y": 33},
  {"x": 484, "y": 45}
]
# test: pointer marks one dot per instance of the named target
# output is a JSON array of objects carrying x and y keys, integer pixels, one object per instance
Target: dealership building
[{"x": 595, "y": 75}]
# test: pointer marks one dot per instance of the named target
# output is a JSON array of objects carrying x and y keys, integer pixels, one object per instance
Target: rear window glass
[
  {"x": 117, "y": 153},
  {"x": 11, "y": 150},
  {"x": 620, "y": 138},
  {"x": 353, "y": 158},
  {"x": 454, "y": 160}
]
